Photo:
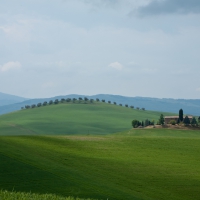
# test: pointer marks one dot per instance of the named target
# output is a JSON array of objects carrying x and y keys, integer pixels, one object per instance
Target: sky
[{"x": 148, "y": 48}]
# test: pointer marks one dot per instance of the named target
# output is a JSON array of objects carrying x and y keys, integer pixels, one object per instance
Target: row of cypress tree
[{"x": 80, "y": 99}]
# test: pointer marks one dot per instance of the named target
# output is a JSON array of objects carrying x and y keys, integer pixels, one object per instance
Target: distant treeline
[
  {"x": 75, "y": 100},
  {"x": 136, "y": 123}
]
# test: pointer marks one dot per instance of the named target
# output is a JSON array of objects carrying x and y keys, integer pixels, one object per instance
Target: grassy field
[
  {"x": 73, "y": 149},
  {"x": 6, "y": 195},
  {"x": 146, "y": 164},
  {"x": 72, "y": 118}
]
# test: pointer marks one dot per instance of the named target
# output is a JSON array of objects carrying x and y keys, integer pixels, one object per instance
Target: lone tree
[
  {"x": 68, "y": 100},
  {"x": 62, "y": 100},
  {"x": 56, "y": 101},
  {"x": 85, "y": 99},
  {"x": 181, "y": 114},
  {"x": 39, "y": 104},
  {"x": 161, "y": 119},
  {"x": 74, "y": 100},
  {"x": 33, "y": 106},
  {"x": 199, "y": 119},
  {"x": 194, "y": 122},
  {"x": 186, "y": 121}
]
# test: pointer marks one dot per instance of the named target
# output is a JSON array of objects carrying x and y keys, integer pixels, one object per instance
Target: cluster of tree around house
[
  {"x": 75, "y": 100},
  {"x": 181, "y": 120},
  {"x": 161, "y": 121}
]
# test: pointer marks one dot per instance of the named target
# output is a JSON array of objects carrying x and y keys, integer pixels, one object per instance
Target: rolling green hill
[
  {"x": 139, "y": 164},
  {"x": 89, "y": 150},
  {"x": 72, "y": 118}
]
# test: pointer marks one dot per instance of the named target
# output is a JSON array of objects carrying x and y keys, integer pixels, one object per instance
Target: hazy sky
[{"x": 148, "y": 48}]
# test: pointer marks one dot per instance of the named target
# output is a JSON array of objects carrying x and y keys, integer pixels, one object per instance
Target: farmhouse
[{"x": 175, "y": 118}]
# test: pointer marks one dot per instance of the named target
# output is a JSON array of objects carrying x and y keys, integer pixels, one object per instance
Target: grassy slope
[
  {"x": 136, "y": 164},
  {"x": 96, "y": 118}
]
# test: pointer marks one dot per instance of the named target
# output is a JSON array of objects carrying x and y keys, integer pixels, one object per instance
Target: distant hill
[
  {"x": 73, "y": 118},
  {"x": 189, "y": 106},
  {"x": 6, "y": 99}
]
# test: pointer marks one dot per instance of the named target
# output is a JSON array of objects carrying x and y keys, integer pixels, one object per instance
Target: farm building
[{"x": 175, "y": 118}]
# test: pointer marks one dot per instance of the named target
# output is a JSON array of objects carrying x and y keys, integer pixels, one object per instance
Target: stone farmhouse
[{"x": 175, "y": 118}]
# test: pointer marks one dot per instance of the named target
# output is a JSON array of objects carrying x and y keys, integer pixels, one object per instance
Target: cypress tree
[
  {"x": 161, "y": 120},
  {"x": 186, "y": 120},
  {"x": 194, "y": 121},
  {"x": 181, "y": 115}
]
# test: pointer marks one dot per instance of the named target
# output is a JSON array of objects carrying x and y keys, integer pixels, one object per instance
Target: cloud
[
  {"x": 10, "y": 66},
  {"x": 17, "y": 30},
  {"x": 102, "y": 2},
  {"x": 116, "y": 65},
  {"x": 198, "y": 89},
  {"x": 113, "y": 3},
  {"x": 158, "y": 7}
]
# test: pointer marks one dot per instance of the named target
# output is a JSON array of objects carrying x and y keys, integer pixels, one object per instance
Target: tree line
[
  {"x": 75, "y": 100},
  {"x": 136, "y": 123}
]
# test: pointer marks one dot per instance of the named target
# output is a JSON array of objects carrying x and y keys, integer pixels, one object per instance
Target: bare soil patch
[{"x": 181, "y": 127}]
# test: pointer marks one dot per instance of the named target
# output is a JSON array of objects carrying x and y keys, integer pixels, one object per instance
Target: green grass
[
  {"x": 144, "y": 164},
  {"x": 70, "y": 118},
  {"x": 6, "y": 195}
]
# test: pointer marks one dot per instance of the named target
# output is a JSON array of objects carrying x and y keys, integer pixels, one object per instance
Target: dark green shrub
[{"x": 172, "y": 122}]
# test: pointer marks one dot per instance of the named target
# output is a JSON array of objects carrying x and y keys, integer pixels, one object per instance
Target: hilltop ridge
[{"x": 190, "y": 106}]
